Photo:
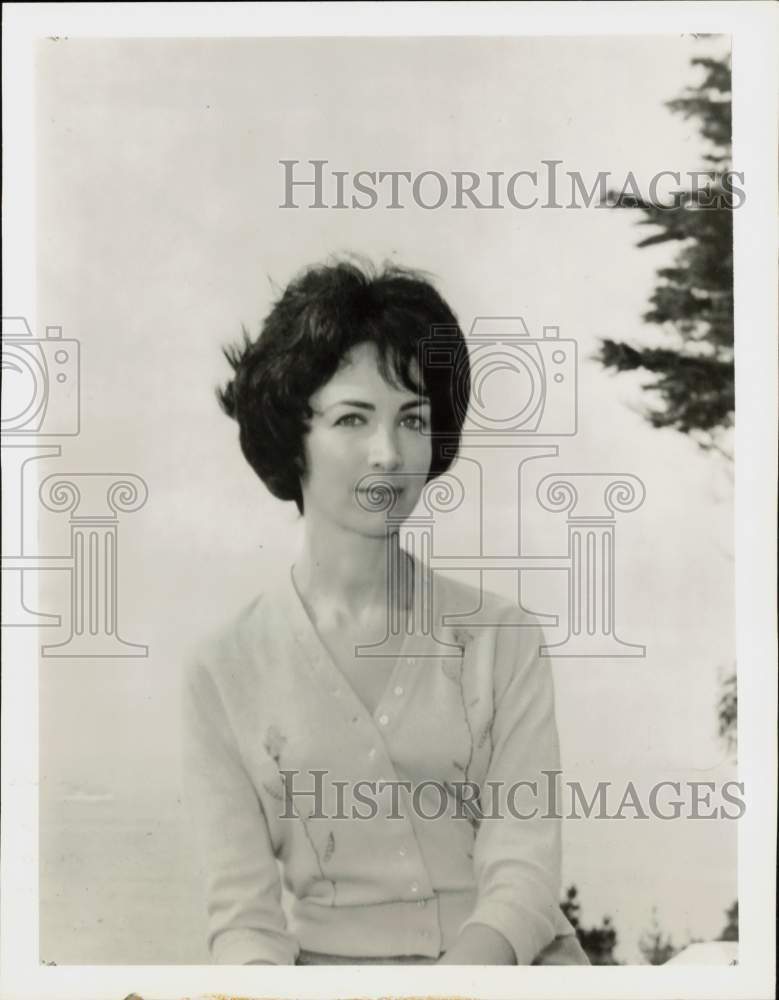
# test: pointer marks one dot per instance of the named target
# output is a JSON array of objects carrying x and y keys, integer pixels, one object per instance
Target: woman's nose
[{"x": 384, "y": 451}]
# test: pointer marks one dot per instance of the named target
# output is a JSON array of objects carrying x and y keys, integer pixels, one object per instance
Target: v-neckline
[{"x": 335, "y": 679}]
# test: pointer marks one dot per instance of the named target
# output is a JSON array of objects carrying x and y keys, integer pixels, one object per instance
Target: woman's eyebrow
[
  {"x": 362, "y": 405},
  {"x": 351, "y": 402}
]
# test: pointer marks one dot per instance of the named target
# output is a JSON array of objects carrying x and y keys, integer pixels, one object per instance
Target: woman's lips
[{"x": 376, "y": 492}]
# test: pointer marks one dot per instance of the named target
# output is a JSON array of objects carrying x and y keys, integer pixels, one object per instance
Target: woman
[{"x": 325, "y": 728}]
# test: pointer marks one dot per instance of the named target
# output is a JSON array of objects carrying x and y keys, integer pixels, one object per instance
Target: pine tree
[
  {"x": 730, "y": 931},
  {"x": 692, "y": 379},
  {"x": 656, "y": 947},
  {"x": 598, "y": 942},
  {"x": 727, "y": 713}
]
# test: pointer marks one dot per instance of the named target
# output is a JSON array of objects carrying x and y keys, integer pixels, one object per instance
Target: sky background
[{"x": 159, "y": 234}]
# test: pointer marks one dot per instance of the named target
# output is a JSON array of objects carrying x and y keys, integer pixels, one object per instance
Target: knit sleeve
[
  {"x": 246, "y": 922},
  {"x": 517, "y": 853}
]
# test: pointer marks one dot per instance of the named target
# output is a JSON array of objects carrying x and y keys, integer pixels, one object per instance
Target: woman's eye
[
  {"x": 350, "y": 420},
  {"x": 416, "y": 422}
]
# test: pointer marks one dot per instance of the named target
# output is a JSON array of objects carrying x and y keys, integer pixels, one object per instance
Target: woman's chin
[
  {"x": 378, "y": 526},
  {"x": 385, "y": 516}
]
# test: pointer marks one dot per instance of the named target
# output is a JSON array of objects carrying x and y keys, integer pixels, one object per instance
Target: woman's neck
[{"x": 348, "y": 578}]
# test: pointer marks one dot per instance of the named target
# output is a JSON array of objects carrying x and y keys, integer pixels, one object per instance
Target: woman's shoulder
[{"x": 454, "y": 596}]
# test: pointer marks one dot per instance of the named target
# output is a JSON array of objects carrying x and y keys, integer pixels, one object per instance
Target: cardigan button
[
  {"x": 372, "y": 752},
  {"x": 398, "y": 690},
  {"x": 384, "y": 719},
  {"x": 415, "y": 886}
]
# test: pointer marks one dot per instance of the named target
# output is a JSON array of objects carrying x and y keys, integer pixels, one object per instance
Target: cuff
[
  {"x": 239, "y": 947},
  {"x": 527, "y": 931}
]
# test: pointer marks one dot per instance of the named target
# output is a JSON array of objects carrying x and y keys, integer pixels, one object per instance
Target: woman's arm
[
  {"x": 246, "y": 923},
  {"x": 517, "y": 856},
  {"x": 478, "y": 944}
]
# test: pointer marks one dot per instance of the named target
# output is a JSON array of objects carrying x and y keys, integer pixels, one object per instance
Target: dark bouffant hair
[{"x": 321, "y": 315}]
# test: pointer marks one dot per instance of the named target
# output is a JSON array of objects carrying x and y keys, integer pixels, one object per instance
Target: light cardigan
[{"x": 463, "y": 703}]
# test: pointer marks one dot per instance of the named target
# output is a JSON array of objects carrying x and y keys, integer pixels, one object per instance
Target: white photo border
[{"x": 753, "y": 28}]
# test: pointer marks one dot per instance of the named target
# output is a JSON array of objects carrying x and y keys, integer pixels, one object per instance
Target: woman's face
[{"x": 364, "y": 431}]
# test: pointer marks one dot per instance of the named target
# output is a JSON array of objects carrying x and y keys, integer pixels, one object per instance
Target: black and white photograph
[{"x": 389, "y": 463}]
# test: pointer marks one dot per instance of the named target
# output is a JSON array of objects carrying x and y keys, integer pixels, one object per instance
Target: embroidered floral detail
[
  {"x": 273, "y": 792},
  {"x": 452, "y": 669},
  {"x": 475, "y": 821},
  {"x": 469, "y": 807},
  {"x": 319, "y": 860},
  {"x": 462, "y": 637},
  {"x": 329, "y": 847},
  {"x": 486, "y": 734},
  {"x": 275, "y": 741}
]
